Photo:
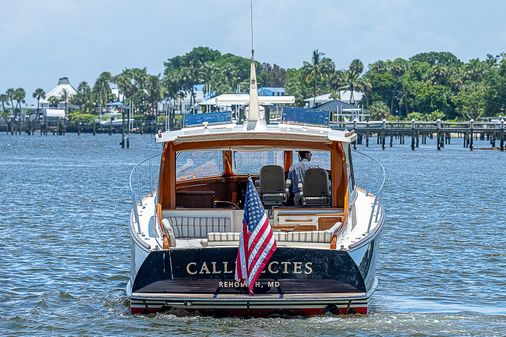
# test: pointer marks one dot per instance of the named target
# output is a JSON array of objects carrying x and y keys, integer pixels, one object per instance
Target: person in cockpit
[{"x": 297, "y": 172}]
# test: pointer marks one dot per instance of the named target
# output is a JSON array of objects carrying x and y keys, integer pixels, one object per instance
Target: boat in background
[{"x": 185, "y": 231}]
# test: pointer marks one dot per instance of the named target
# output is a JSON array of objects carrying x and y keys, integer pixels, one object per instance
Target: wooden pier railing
[{"x": 418, "y": 132}]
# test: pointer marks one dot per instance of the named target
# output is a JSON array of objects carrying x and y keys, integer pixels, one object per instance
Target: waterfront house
[
  {"x": 63, "y": 85},
  {"x": 342, "y": 111},
  {"x": 271, "y": 91},
  {"x": 344, "y": 96}
]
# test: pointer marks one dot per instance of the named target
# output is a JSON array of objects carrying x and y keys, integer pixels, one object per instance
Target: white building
[
  {"x": 63, "y": 85},
  {"x": 344, "y": 96}
]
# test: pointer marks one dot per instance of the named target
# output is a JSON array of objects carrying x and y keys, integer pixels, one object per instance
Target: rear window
[
  {"x": 250, "y": 162},
  {"x": 198, "y": 164}
]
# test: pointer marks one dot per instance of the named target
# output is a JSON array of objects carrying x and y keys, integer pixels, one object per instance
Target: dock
[{"x": 418, "y": 132}]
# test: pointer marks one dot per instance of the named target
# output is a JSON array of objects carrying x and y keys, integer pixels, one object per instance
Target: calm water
[{"x": 65, "y": 248}]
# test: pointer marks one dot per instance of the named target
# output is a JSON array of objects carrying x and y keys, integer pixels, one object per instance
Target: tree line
[{"x": 426, "y": 86}]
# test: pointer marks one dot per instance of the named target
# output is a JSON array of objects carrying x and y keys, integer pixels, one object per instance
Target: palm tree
[
  {"x": 19, "y": 97},
  {"x": 318, "y": 70},
  {"x": 53, "y": 101},
  {"x": 82, "y": 98},
  {"x": 64, "y": 97},
  {"x": 337, "y": 83},
  {"x": 231, "y": 75},
  {"x": 353, "y": 81},
  {"x": 10, "y": 97},
  {"x": 102, "y": 90},
  {"x": 153, "y": 93},
  {"x": 39, "y": 94},
  {"x": 4, "y": 100}
]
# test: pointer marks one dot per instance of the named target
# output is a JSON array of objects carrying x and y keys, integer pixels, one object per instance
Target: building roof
[
  {"x": 63, "y": 83},
  {"x": 243, "y": 99},
  {"x": 345, "y": 96},
  {"x": 269, "y": 91},
  {"x": 319, "y": 99},
  {"x": 336, "y": 106}
]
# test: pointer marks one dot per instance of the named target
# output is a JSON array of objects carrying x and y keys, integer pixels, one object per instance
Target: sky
[{"x": 43, "y": 40}]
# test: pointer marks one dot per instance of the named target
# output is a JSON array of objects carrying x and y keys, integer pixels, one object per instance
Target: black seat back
[
  {"x": 272, "y": 179},
  {"x": 272, "y": 187},
  {"x": 316, "y": 187}
]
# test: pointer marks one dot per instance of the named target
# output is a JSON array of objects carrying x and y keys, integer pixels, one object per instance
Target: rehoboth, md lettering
[{"x": 237, "y": 284}]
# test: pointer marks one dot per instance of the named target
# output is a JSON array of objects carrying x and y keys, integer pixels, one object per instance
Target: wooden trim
[
  {"x": 293, "y": 228},
  {"x": 346, "y": 203},
  {"x": 166, "y": 185},
  {"x": 288, "y": 160},
  {"x": 212, "y": 179},
  {"x": 159, "y": 213},
  {"x": 333, "y": 242},
  {"x": 253, "y": 142},
  {"x": 339, "y": 180},
  {"x": 319, "y": 215},
  {"x": 227, "y": 163},
  {"x": 298, "y": 220},
  {"x": 166, "y": 244},
  {"x": 325, "y": 223},
  {"x": 336, "y": 162}
]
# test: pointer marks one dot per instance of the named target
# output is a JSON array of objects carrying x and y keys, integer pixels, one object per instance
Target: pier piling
[
  {"x": 502, "y": 135},
  {"x": 438, "y": 136},
  {"x": 471, "y": 126},
  {"x": 413, "y": 131}
]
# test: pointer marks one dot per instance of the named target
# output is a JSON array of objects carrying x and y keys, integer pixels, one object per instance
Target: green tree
[
  {"x": 64, "y": 97},
  {"x": 101, "y": 90},
  {"x": 83, "y": 98},
  {"x": 318, "y": 70},
  {"x": 53, "y": 101},
  {"x": 4, "y": 99},
  {"x": 471, "y": 100},
  {"x": 271, "y": 75},
  {"x": 19, "y": 96},
  {"x": 10, "y": 93},
  {"x": 379, "y": 111},
  {"x": 39, "y": 94},
  {"x": 495, "y": 81},
  {"x": 437, "y": 58},
  {"x": 153, "y": 93},
  {"x": 352, "y": 80},
  {"x": 297, "y": 86}
]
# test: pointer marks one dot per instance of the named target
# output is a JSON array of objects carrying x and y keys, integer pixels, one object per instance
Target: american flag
[{"x": 257, "y": 243}]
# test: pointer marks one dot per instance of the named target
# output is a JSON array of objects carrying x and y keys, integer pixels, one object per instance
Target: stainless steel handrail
[
  {"x": 377, "y": 195},
  {"x": 135, "y": 189}
]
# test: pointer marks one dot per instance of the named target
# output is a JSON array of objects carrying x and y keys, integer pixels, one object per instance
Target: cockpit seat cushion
[
  {"x": 169, "y": 231},
  {"x": 189, "y": 227},
  {"x": 305, "y": 236}
]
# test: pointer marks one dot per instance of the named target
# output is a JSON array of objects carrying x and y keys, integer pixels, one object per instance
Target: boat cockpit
[
  {"x": 202, "y": 191},
  {"x": 203, "y": 182}
]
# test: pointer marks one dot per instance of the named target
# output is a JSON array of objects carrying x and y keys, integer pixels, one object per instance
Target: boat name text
[{"x": 274, "y": 267}]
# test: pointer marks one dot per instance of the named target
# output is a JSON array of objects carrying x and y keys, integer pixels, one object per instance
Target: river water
[{"x": 65, "y": 247}]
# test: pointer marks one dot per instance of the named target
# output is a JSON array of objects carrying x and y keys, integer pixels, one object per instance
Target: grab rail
[
  {"x": 378, "y": 194},
  {"x": 144, "y": 183}
]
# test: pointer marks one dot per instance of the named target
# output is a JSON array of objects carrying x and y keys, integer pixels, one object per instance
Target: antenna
[{"x": 251, "y": 20}]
